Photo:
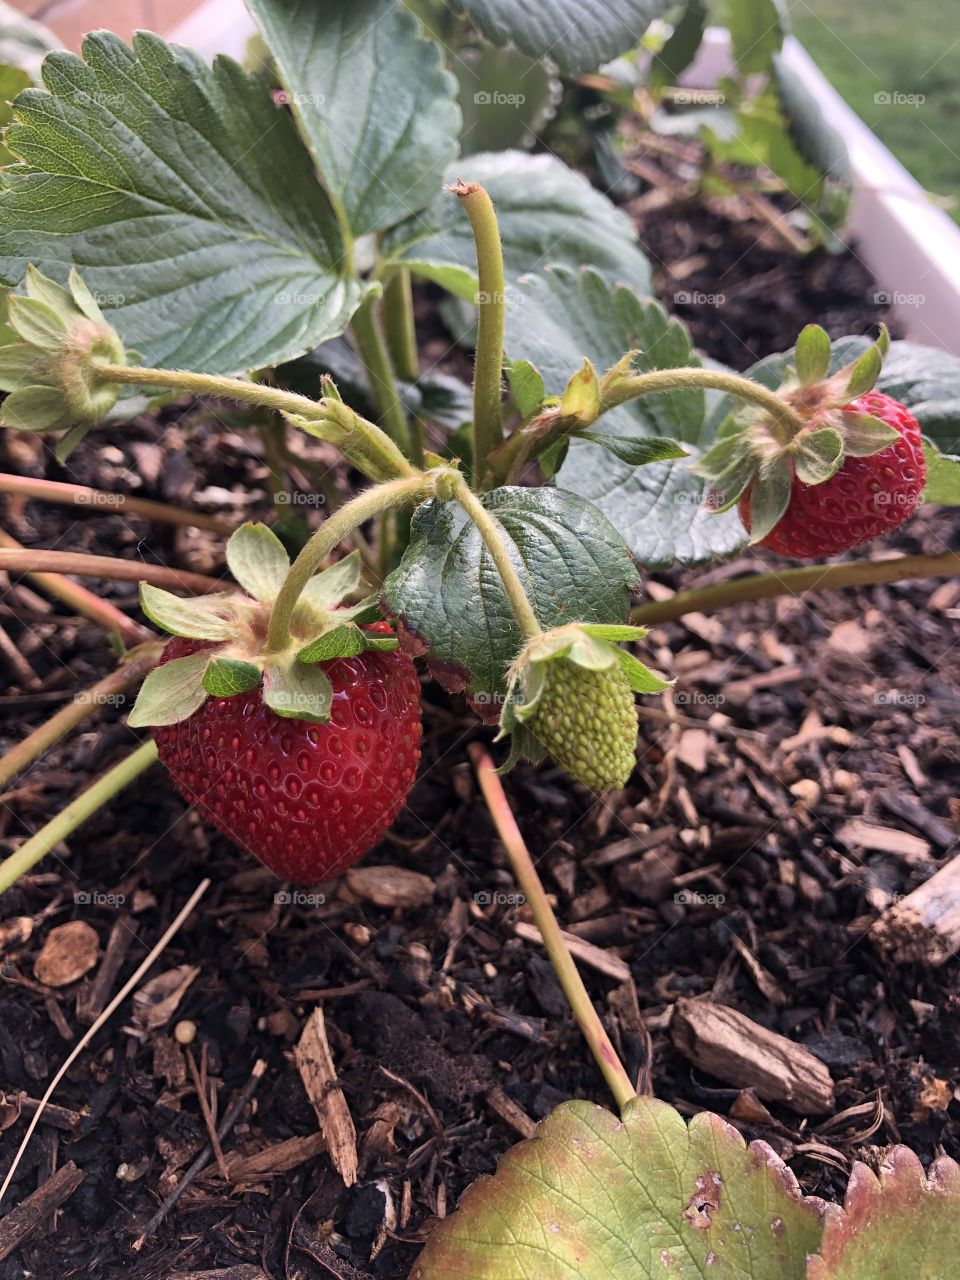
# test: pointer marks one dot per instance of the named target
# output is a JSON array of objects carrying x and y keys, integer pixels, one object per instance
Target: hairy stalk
[
  {"x": 80, "y": 708},
  {"x": 399, "y": 326},
  {"x": 45, "y": 568},
  {"x": 792, "y": 582},
  {"x": 491, "y": 307},
  {"x": 77, "y": 811},
  {"x": 101, "y": 500},
  {"x": 368, "y": 441},
  {"x": 35, "y": 564},
  {"x": 365, "y": 327},
  {"x": 492, "y": 536},
  {"x": 366, "y": 505},
  {"x": 643, "y": 384},
  {"x": 568, "y": 976}
]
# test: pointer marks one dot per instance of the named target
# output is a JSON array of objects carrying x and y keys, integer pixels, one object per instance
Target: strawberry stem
[
  {"x": 38, "y": 564},
  {"x": 623, "y": 389},
  {"x": 365, "y": 327},
  {"x": 366, "y": 505},
  {"x": 491, "y": 532},
  {"x": 568, "y": 976},
  {"x": 371, "y": 442},
  {"x": 491, "y": 308},
  {"x": 791, "y": 582},
  {"x": 79, "y": 708},
  {"x": 101, "y": 500},
  {"x": 17, "y": 559},
  {"x": 77, "y": 811}
]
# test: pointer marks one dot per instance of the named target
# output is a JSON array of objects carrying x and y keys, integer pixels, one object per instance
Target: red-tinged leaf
[{"x": 903, "y": 1223}]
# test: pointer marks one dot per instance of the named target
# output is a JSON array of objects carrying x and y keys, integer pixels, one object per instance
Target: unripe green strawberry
[{"x": 587, "y": 720}]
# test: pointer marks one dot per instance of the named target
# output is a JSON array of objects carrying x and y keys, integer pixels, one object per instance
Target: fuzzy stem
[
  {"x": 17, "y": 559},
  {"x": 642, "y": 384},
  {"x": 365, "y": 327},
  {"x": 568, "y": 976},
  {"x": 77, "y": 811},
  {"x": 38, "y": 564},
  {"x": 81, "y": 707},
  {"x": 371, "y": 442},
  {"x": 491, "y": 307},
  {"x": 102, "y": 501},
  {"x": 792, "y": 582},
  {"x": 492, "y": 535},
  {"x": 365, "y": 506},
  {"x": 398, "y": 324}
]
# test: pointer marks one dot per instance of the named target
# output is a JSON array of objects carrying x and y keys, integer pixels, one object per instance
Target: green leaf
[
  {"x": 904, "y": 1223},
  {"x": 645, "y": 1197},
  {"x": 258, "y": 561},
  {"x": 566, "y": 315},
  {"x": 580, "y": 400},
  {"x": 295, "y": 689},
  {"x": 34, "y": 409},
  {"x": 170, "y": 693},
  {"x": 637, "y": 451},
  {"x": 36, "y": 322},
  {"x": 226, "y": 677},
  {"x": 761, "y": 139},
  {"x": 506, "y": 97},
  {"x": 770, "y": 496},
  {"x": 546, "y": 212},
  {"x": 188, "y": 199},
  {"x": 812, "y": 354},
  {"x": 818, "y": 455},
  {"x": 447, "y": 593},
  {"x": 864, "y": 435},
  {"x": 374, "y": 104},
  {"x": 641, "y": 678},
  {"x": 526, "y": 387},
  {"x": 326, "y": 589},
  {"x": 577, "y": 36},
  {"x": 340, "y": 642},
  {"x": 757, "y": 28},
  {"x": 865, "y": 371},
  {"x": 681, "y": 47},
  {"x": 212, "y": 617},
  {"x": 943, "y": 477}
]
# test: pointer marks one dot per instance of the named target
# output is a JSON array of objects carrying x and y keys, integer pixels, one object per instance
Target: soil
[{"x": 731, "y": 846}]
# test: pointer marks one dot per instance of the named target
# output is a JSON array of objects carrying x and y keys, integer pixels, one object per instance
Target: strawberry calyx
[
  {"x": 50, "y": 371},
  {"x": 759, "y": 455},
  {"x": 570, "y": 695},
  {"x": 234, "y": 624}
]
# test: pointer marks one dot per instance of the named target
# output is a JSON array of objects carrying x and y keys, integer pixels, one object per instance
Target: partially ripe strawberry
[
  {"x": 865, "y": 498},
  {"x": 307, "y": 799}
]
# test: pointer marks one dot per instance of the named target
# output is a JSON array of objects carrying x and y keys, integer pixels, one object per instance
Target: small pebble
[{"x": 185, "y": 1032}]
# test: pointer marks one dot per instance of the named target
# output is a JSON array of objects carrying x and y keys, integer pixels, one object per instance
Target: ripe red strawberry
[
  {"x": 867, "y": 497},
  {"x": 307, "y": 799}
]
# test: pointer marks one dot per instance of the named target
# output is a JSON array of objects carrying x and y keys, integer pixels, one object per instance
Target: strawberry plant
[{"x": 169, "y": 228}]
